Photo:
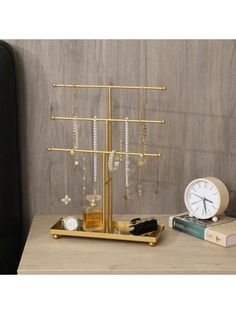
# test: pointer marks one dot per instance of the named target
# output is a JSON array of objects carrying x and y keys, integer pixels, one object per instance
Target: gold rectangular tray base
[{"x": 120, "y": 232}]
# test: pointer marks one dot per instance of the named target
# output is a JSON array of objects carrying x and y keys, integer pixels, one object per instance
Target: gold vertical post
[
  {"x": 104, "y": 218},
  {"x": 106, "y": 183},
  {"x": 109, "y": 175}
]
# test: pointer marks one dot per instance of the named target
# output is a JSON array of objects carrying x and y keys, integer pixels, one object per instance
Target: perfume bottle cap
[{"x": 93, "y": 199}]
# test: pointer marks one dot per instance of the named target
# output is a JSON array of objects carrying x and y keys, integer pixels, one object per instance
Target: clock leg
[
  {"x": 190, "y": 215},
  {"x": 215, "y": 219}
]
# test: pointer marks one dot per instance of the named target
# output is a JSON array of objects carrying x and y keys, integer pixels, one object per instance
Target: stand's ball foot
[
  {"x": 151, "y": 244},
  {"x": 56, "y": 236},
  {"x": 215, "y": 219}
]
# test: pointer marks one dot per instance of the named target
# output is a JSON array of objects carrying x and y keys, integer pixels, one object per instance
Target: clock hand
[
  {"x": 198, "y": 196},
  {"x": 195, "y": 202},
  {"x": 206, "y": 199},
  {"x": 204, "y": 203}
]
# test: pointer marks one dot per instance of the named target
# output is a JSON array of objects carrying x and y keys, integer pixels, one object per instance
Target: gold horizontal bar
[
  {"x": 69, "y": 150},
  {"x": 111, "y": 86},
  {"x": 107, "y": 119}
]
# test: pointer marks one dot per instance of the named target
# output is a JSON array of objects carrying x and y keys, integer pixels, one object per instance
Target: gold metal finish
[
  {"x": 111, "y": 230},
  {"x": 107, "y": 119},
  {"x": 120, "y": 231},
  {"x": 104, "y": 218},
  {"x": 111, "y": 86},
  {"x": 58, "y": 149},
  {"x": 105, "y": 174},
  {"x": 109, "y": 148}
]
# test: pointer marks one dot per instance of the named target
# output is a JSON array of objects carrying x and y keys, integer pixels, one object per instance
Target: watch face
[
  {"x": 202, "y": 199},
  {"x": 71, "y": 223}
]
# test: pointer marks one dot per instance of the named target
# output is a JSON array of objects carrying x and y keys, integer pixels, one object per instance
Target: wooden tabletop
[{"x": 175, "y": 253}]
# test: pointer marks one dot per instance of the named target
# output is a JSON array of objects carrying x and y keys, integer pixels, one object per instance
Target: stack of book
[{"x": 222, "y": 232}]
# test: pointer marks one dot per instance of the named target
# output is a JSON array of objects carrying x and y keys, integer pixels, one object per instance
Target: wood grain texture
[
  {"x": 199, "y": 106},
  {"x": 175, "y": 253}
]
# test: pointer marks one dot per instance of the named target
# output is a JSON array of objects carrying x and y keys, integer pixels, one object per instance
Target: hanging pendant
[
  {"x": 139, "y": 185},
  {"x": 66, "y": 200}
]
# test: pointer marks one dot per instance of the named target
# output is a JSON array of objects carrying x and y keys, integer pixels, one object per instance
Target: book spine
[
  {"x": 188, "y": 227},
  {"x": 215, "y": 237}
]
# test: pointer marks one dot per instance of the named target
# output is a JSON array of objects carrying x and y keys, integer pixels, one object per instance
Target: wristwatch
[{"x": 70, "y": 223}]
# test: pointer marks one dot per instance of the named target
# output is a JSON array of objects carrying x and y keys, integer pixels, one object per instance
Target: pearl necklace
[{"x": 126, "y": 159}]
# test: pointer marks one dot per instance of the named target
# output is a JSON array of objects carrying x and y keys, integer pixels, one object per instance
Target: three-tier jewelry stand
[{"x": 108, "y": 224}]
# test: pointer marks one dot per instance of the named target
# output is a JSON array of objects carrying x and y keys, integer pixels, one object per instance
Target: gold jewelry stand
[{"x": 110, "y": 227}]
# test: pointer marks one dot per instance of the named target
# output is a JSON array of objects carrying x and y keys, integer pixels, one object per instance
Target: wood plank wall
[{"x": 199, "y": 106}]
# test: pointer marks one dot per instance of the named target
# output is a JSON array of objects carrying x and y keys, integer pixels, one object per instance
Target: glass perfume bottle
[{"x": 93, "y": 214}]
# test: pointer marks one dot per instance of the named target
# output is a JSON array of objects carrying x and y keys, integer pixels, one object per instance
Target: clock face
[{"x": 202, "y": 199}]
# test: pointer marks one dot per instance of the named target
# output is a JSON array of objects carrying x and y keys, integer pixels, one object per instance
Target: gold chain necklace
[{"x": 142, "y": 141}]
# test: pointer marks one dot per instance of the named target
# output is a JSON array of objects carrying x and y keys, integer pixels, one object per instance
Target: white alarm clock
[{"x": 206, "y": 198}]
